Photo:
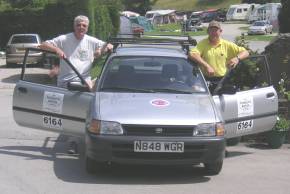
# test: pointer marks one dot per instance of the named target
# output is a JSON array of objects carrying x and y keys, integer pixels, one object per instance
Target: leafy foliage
[
  {"x": 284, "y": 17},
  {"x": 57, "y": 18},
  {"x": 282, "y": 124},
  {"x": 139, "y": 6}
]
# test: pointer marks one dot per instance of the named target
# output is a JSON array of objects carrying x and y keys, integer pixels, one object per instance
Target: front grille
[{"x": 160, "y": 131}]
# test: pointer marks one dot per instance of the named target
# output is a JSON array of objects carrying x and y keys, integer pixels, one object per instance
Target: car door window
[
  {"x": 45, "y": 72},
  {"x": 250, "y": 74}
]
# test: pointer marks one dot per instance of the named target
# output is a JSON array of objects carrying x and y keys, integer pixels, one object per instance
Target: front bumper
[
  {"x": 256, "y": 32},
  {"x": 120, "y": 149}
]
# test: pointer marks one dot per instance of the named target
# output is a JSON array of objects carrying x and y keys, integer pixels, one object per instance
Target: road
[
  {"x": 35, "y": 162},
  {"x": 231, "y": 31}
]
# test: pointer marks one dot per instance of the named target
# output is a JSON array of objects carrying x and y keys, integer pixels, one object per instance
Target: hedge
[{"x": 55, "y": 19}]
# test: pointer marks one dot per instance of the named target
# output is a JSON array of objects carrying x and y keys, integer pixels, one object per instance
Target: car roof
[
  {"x": 149, "y": 50},
  {"x": 25, "y": 35}
]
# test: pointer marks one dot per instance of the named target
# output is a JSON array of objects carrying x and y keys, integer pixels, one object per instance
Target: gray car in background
[
  {"x": 15, "y": 49},
  {"x": 150, "y": 105}
]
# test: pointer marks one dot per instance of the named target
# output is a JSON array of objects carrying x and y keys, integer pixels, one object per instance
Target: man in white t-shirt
[{"x": 79, "y": 48}]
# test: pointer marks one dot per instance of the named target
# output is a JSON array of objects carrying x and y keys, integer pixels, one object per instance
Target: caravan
[
  {"x": 268, "y": 11},
  {"x": 161, "y": 16},
  {"x": 240, "y": 11}
]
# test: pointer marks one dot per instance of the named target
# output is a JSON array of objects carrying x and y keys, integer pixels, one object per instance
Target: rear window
[{"x": 24, "y": 39}]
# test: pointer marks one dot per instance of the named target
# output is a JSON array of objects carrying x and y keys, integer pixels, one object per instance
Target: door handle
[
  {"x": 23, "y": 90},
  {"x": 269, "y": 95}
]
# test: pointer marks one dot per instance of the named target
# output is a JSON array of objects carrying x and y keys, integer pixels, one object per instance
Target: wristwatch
[{"x": 238, "y": 58}]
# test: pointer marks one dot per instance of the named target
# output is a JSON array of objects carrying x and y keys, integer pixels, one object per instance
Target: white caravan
[
  {"x": 240, "y": 11},
  {"x": 161, "y": 16},
  {"x": 268, "y": 11}
]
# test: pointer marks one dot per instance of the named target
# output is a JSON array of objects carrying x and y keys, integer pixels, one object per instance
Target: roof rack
[{"x": 184, "y": 41}]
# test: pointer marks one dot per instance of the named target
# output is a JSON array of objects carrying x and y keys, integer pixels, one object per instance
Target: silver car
[
  {"x": 260, "y": 27},
  {"x": 151, "y": 105},
  {"x": 15, "y": 49}
]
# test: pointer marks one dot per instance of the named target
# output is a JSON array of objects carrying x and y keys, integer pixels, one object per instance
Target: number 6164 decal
[
  {"x": 52, "y": 122},
  {"x": 244, "y": 126}
]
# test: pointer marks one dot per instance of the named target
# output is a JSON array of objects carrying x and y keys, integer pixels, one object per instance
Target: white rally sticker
[
  {"x": 52, "y": 122},
  {"x": 244, "y": 126},
  {"x": 159, "y": 102},
  {"x": 245, "y": 106},
  {"x": 52, "y": 102}
]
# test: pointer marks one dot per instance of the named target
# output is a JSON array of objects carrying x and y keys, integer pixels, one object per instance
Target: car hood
[{"x": 155, "y": 109}]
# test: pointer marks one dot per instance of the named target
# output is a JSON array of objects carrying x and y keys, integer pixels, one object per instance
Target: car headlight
[
  {"x": 209, "y": 129},
  {"x": 105, "y": 127}
]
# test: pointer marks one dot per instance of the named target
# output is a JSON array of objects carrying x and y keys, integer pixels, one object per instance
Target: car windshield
[
  {"x": 24, "y": 39},
  {"x": 152, "y": 75},
  {"x": 259, "y": 24}
]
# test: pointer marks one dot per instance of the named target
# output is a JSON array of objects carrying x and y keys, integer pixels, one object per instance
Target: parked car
[
  {"x": 137, "y": 29},
  {"x": 2, "y": 54},
  {"x": 210, "y": 15},
  {"x": 16, "y": 46},
  {"x": 150, "y": 105},
  {"x": 260, "y": 27},
  {"x": 194, "y": 22}
]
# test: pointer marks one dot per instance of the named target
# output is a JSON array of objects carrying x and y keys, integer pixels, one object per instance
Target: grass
[
  {"x": 259, "y": 37},
  {"x": 174, "y": 29}
]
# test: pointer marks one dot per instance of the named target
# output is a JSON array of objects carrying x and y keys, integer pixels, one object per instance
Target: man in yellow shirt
[{"x": 215, "y": 55}]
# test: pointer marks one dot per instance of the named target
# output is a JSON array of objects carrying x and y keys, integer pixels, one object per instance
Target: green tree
[
  {"x": 284, "y": 17},
  {"x": 139, "y": 6}
]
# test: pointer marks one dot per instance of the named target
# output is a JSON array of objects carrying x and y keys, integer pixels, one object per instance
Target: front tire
[
  {"x": 233, "y": 141},
  {"x": 93, "y": 166},
  {"x": 90, "y": 165},
  {"x": 213, "y": 168}
]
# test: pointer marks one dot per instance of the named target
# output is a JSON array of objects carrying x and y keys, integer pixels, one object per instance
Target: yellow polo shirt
[{"x": 217, "y": 56}]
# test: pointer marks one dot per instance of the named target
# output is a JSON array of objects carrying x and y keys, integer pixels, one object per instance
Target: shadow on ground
[{"x": 71, "y": 168}]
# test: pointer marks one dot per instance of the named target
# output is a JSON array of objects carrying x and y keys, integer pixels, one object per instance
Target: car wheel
[
  {"x": 213, "y": 168},
  {"x": 233, "y": 141},
  {"x": 9, "y": 65},
  {"x": 90, "y": 165},
  {"x": 93, "y": 166}
]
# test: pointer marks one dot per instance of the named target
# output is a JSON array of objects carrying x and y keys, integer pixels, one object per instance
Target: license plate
[{"x": 154, "y": 146}]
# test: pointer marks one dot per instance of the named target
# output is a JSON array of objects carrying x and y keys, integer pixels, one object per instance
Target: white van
[{"x": 240, "y": 11}]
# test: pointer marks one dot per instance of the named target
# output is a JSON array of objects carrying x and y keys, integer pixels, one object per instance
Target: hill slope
[{"x": 190, "y": 5}]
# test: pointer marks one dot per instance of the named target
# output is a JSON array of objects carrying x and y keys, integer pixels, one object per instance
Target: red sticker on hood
[{"x": 159, "y": 102}]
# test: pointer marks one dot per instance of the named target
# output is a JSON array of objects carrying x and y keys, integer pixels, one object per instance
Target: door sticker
[
  {"x": 52, "y": 102},
  {"x": 159, "y": 102},
  {"x": 52, "y": 122},
  {"x": 244, "y": 126},
  {"x": 245, "y": 106}
]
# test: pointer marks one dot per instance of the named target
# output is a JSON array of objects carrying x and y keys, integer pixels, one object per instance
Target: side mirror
[{"x": 78, "y": 86}]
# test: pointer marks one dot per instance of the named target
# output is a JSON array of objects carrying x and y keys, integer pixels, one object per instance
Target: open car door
[
  {"x": 253, "y": 106},
  {"x": 39, "y": 103}
]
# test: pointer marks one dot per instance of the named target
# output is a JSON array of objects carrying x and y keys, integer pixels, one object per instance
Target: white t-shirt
[{"x": 79, "y": 52}]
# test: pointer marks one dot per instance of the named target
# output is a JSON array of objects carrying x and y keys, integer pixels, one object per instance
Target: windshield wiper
[
  {"x": 127, "y": 89},
  {"x": 169, "y": 90}
]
